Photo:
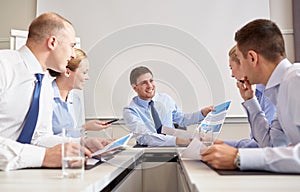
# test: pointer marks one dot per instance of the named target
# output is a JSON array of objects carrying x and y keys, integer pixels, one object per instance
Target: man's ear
[
  {"x": 133, "y": 87},
  {"x": 253, "y": 57},
  {"x": 52, "y": 42}
]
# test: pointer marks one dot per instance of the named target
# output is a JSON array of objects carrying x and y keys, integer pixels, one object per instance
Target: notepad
[{"x": 120, "y": 143}]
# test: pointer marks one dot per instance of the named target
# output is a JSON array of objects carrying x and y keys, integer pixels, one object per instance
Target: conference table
[{"x": 147, "y": 169}]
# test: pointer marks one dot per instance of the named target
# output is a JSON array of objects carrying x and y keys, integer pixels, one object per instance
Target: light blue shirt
[
  {"x": 63, "y": 112},
  {"x": 138, "y": 119},
  {"x": 267, "y": 107},
  {"x": 283, "y": 90}
]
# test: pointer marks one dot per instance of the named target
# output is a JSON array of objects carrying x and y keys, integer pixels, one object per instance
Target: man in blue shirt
[
  {"x": 139, "y": 118},
  {"x": 265, "y": 103},
  {"x": 261, "y": 51}
]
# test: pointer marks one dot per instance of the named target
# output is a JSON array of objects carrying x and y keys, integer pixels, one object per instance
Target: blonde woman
[{"x": 64, "y": 104}]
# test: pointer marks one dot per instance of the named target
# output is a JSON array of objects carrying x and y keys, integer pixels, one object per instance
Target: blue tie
[
  {"x": 33, "y": 112},
  {"x": 155, "y": 117}
]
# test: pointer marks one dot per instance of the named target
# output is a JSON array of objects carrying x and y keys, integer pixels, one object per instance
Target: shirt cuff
[
  {"x": 32, "y": 156},
  {"x": 201, "y": 116},
  {"x": 252, "y": 159},
  {"x": 252, "y": 105}
]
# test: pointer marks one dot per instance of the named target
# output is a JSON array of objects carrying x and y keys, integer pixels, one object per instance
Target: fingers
[
  {"x": 87, "y": 152},
  {"x": 218, "y": 141}
]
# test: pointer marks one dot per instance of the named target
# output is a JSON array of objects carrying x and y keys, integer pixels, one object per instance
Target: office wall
[
  {"x": 103, "y": 93},
  {"x": 185, "y": 45},
  {"x": 15, "y": 14}
]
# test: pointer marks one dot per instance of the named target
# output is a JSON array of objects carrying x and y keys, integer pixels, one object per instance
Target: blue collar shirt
[
  {"x": 138, "y": 119},
  {"x": 283, "y": 90},
  {"x": 63, "y": 112}
]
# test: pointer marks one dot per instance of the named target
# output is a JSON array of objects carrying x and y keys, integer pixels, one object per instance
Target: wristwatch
[{"x": 237, "y": 160}]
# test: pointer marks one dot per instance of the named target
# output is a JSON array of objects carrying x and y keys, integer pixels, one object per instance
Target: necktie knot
[
  {"x": 151, "y": 103},
  {"x": 39, "y": 77}
]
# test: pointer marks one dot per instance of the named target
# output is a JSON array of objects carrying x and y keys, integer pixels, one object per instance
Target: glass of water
[
  {"x": 73, "y": 152},
  {"x": 206, "y": 134}
]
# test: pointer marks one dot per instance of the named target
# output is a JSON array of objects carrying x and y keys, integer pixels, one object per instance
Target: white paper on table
[
  {"x": 91, "y": 161},
  {"x": 177, "y": 132},
  {"x": 193, "y": 150},
  {"x": 117, "y": 144}
]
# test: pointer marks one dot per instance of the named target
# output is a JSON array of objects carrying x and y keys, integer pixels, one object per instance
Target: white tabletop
[
  {"x": 199, "y": 177},
  {"x": 203, "y": 178}
]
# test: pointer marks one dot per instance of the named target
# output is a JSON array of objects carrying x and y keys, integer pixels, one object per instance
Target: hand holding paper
[{"x": 207, "y": 131}]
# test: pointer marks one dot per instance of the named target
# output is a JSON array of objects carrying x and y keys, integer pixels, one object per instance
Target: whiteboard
[{"x": 184, "y": 43}]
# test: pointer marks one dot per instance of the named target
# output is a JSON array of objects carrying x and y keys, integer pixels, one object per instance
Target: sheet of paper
[
  {"x": 91, "y": 161},
  {"x": 215, "y": 119},
  {"x": 177, "y": 132},
  {"x": 193, "y": 150},
  {"x": 117, "y": 144}
]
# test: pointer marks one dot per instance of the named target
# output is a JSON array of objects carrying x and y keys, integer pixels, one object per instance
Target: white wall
[
  {"x": 18, "y": 14},
  {"x": 15, "y": 14},
  {"x": 185, "y": 45}
]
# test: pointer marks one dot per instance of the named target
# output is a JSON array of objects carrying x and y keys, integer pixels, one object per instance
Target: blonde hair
[
  {"x": 233, "y": 56},
  {"x": 73, "y": 64}
]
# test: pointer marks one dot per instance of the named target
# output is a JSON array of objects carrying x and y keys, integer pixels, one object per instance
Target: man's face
[
  {"x": 145, "y": 86},
  {"x": 245, "y": 66},
  {"x": 64, "y": 50}
]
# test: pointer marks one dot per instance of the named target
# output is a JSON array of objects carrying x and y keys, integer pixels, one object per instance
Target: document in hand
[
  {"x": 212, "y": 122},
  {"x": 120, "y": 143},
  {"x": 215, "y": 119}
]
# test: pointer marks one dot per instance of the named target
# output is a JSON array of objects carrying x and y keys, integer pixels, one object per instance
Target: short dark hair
[
  {"x": 136, "y": 72},
  {"x": 262, "y": 36}
]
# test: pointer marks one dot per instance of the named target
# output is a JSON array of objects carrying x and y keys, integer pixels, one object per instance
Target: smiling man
[{"x": 149, "y": 111}]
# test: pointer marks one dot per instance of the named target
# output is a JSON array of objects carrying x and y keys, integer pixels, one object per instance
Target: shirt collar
[
  {"x": 30, "y": 60},
  {"x": 57, "y": 93},
  {"x": 278, "y": 73},
  {"x": 142, "y": 102}
]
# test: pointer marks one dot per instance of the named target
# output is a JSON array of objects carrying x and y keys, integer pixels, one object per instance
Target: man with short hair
[
  {"x": 261, "y": 51},
  {"x": 141, "y": 114},
  {"x": 50, "y": 45}
]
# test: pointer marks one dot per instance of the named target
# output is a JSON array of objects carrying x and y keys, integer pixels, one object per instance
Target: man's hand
[
  {"x": 182, "y": 142},
  {"x": 206, "y": 110},
  {"x": 96, "y": 143},
  {"x": 53, "y": 155},
  {"x": 220, "y": 156},
  {"x": 246, "y": 89}
]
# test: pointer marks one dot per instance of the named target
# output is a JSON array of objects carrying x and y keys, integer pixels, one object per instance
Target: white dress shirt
[
  {"x": 283, "y": 90},
  {"x": 17, "y": 82}
]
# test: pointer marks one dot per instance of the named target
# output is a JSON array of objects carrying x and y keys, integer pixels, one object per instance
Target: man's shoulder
[
  {"x": 293, "y": 72},
  {"x": 10, "y": 59},
  {"x": 163, "y": 96},
  {"x": 6, "y": 54}
]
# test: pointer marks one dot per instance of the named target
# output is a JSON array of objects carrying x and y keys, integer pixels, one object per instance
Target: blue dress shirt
[
  {"x": 138, "y": 119},
  {"x": 267, "y": 107},
  {"x": 283, "y": 90},
  {"x": 63, "y": 112}
]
